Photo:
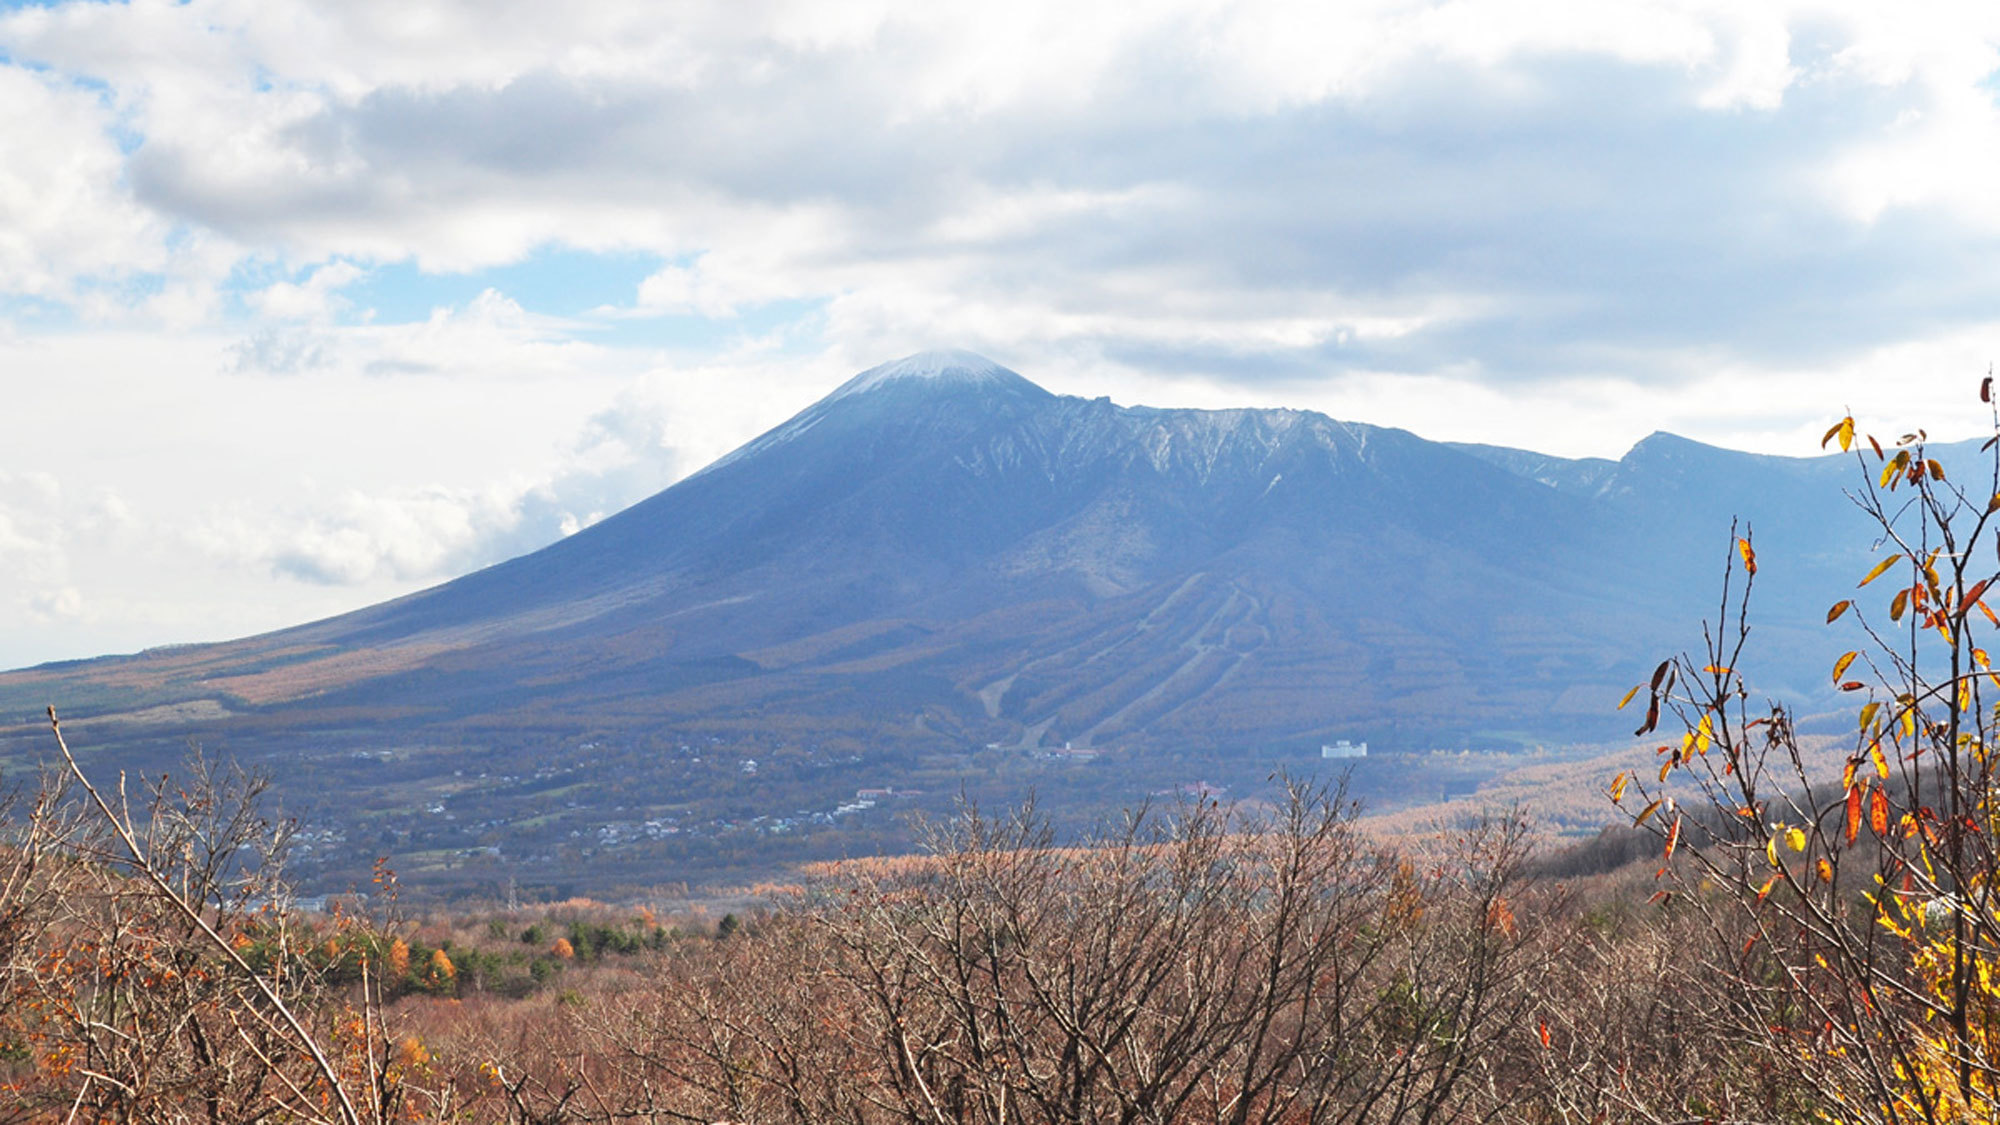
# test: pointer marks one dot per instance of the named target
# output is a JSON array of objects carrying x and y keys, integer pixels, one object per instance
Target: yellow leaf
[
  {"x": 1868, "y": 714},
  {"x": 1795, "y": 838},
  {"x": 1628, "y": 697},
  {"x": 1890, "y": 470},
  {"x": 1840, "y": 666},
  {"x": 1618, "y": 785},
  {"x": 1846, "y": 433},
  {"x": 1667, "y": 767},
  {"x": 1881, "y": 761},
  {"x": 1749, "y": 556},
  {"x": 1825, "y": 870},
  {"x": 1898, "y": 604},
  {"x": 1883, "y": 566},
  {"x": 1771, "y": 850},
  {"x": 1839, "y": 607},
  {"x": 1648, "y": 811},
  {"x": 1765, "y": 890}
]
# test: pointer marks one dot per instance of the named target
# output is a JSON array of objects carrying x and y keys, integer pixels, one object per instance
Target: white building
[{"x": 1344, "y": 749}]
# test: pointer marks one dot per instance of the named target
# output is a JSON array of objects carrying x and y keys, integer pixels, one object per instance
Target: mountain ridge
[{"x": 940, "y": 561}]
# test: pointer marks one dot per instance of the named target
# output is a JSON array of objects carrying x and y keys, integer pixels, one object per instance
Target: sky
[{"x": 304, "y": 305}]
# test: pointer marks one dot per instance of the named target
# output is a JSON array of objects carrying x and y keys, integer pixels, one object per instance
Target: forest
[{"x": 1787, "y": 927}]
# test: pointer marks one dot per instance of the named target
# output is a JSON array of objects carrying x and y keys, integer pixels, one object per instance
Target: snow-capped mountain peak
[{"x": 950, "y": 366}]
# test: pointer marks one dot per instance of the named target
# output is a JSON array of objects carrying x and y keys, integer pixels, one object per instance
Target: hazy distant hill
[{"x": 942, "y": 554}]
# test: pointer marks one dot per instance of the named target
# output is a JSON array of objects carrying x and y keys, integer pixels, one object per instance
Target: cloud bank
[{"x": 1554, "y": 225}]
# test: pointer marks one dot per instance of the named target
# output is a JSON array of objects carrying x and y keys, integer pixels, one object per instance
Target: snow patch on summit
[
  {"x": 950, "y": 366},
  {"x": 945, "y": 369}
]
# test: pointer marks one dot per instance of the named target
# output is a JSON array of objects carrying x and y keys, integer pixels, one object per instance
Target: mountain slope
[
  {"x": 1160, "y": 574},
  {"x": 941, "y": 556}
]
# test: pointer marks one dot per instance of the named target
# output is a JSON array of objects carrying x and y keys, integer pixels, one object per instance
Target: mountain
[{"x": 941, "y": 568}]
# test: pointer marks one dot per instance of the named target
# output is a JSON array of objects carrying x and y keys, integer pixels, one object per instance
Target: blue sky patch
[{"x": 552, "y": 282}]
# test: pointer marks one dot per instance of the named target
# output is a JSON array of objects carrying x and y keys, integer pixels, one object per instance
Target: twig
[{"x": 160, "y": 882}]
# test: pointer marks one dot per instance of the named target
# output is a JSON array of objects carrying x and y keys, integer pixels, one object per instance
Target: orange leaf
[
  {"x": 1854, "y": 811},
  {"x": 1840, "y": 665},
  {"x": 1749, "y": 556},
  {"x": 1839, "y": 607},
  {"x": 1973, "y": 592},
  {"x": 1673, "y": 837},
  {"x": 1825, "y": 870},
  {"x": 1618, "y": 785},
  {"x": 1878, "y": 812}
]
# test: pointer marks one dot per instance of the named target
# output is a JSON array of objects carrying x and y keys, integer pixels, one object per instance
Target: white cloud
[
  {"x": 315, "y": 298},
  {"x": 66, "y": 216}
]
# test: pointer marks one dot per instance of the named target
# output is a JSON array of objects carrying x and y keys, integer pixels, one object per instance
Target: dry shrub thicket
[
  {"x": 1791, "y": 947},
  {"x": 1201, "y": 965}
]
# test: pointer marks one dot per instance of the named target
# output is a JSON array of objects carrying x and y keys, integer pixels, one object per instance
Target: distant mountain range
[
  {"x": 942, "y": 554},
  {"x": 942, "y": 543}
]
